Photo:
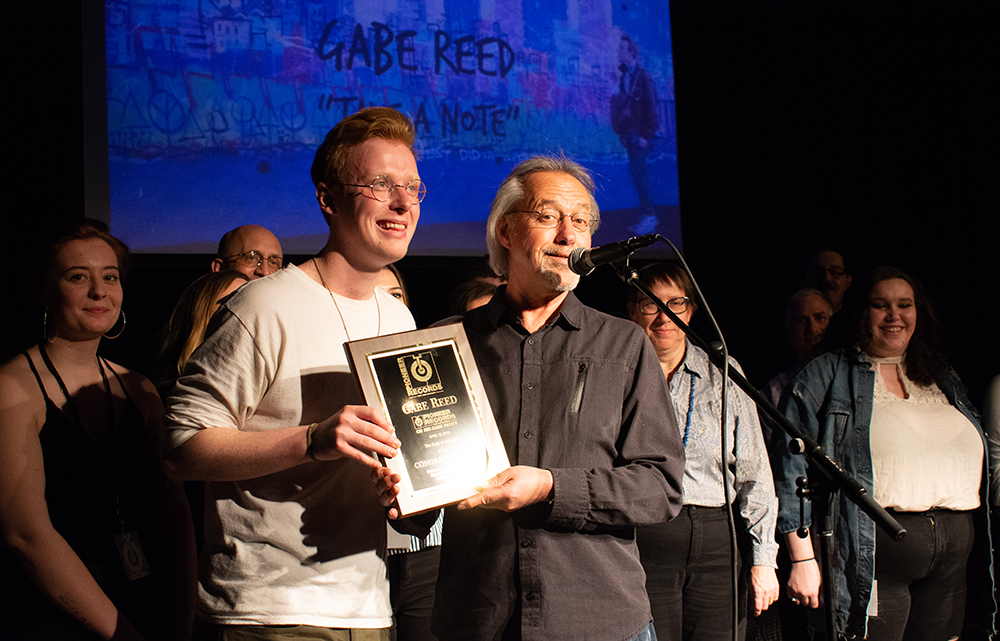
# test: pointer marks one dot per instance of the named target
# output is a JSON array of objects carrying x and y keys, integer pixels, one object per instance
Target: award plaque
[{"x": 426, "y": 383}]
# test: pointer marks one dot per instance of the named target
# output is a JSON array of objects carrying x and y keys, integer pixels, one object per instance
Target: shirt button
[
  {"x": 526, "y": 543},
  {"x": 530, "y": 596},
  {"x": 530, "y": 386},
  {"x": 531, "y": 341},
  {"x": 527, "y": 434}
]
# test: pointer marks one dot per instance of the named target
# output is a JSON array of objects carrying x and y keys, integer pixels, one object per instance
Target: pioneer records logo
[
  {"x": 419, "y": 374},
  {"x": 421, "y": 369}
]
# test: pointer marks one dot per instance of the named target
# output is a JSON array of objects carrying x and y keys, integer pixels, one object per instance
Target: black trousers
[
  {"x": 412, "y": 577},
  {"x": 689, "y": 576},
  {"x": 921, "y": 579}
]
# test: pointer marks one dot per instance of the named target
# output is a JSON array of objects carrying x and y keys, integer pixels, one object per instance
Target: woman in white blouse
[{"x": 892, "y": 413}]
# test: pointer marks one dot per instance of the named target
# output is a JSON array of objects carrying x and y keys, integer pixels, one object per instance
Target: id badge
[{"x": 133, "y": 560}]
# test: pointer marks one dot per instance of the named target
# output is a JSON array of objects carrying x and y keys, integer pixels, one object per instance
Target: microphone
[{"x": 583, "y": 261}]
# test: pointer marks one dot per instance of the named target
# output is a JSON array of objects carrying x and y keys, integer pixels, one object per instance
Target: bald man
[{"x": 250, "y": 249}]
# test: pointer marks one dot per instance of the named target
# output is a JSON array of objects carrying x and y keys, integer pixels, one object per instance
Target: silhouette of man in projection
[{"x": 634, "y": 119}]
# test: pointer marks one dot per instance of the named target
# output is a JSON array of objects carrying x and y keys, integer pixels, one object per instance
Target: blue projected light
[{"x": 215, "y": 109}]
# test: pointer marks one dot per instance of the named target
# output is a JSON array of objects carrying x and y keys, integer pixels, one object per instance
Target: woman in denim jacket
[{"x": 893, "y": 414}]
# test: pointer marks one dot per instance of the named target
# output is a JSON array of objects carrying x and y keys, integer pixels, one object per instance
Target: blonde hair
[{"x": 189, "y": 321}]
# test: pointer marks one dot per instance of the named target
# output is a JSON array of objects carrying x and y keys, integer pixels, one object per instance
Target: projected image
[{"x": 216, "y": 107}]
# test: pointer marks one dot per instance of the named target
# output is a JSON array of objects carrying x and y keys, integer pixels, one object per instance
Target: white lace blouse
[{"x": 925, "y": 453}]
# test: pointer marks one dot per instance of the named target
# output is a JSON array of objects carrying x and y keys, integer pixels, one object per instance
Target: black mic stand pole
[{"x": 823, "y": 491}]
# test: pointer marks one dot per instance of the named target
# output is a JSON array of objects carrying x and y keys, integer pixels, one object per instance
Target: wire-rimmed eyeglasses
[
  {"x": 254, "y": 258},
  {"x": 549, "y": 217},
  {"x": 381, "y": 189}
]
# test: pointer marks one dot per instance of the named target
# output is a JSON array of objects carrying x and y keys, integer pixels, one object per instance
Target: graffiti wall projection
[{"x": 215, "y": 109}]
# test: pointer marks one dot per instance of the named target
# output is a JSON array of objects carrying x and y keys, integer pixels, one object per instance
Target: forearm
[
  {"x": 764, "y": 552},
  {"x": 799, "y": 549},
  {"x": 755, "y": 492},
  {"x": 220, "y": 454},
  {"x": 226, "y": 454},
  {"x": 60, "y": 575},
  {"x": 804, "y": 581},
  {"x": 758, "y": 507},
  {"x": 636, "y": 494},
  {"x": 760, "y": 517}
]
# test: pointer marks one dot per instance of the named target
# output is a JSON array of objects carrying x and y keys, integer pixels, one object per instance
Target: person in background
[
  {"x": 250, "y": 249},
  {"x": 480, "y": 269},
  {"x": 807, "y": 315},
  {"x": 477, "y": 289},
  {"x": 184, "y": 333},
  {"x": 688, "y": 560},
  {"x": 391, "y": 281},
  {"x": 470, "y": 294},
  {"x": 891, "y": 411},
  {"x": 826, "y": 271},
  {"x": 98, "y": 544},
  {"x": 189, "y": 322},
  {"x": 991, "y": 421}
]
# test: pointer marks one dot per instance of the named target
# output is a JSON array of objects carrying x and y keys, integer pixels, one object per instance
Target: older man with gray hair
[{"x": 547, "y": 550}]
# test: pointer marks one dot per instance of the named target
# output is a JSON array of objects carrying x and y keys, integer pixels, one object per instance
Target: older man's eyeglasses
[
  {"x": 547, "y": 217},
  {"x": 677, "y": 305},
  {"x": 256, "y": 259},
  {"x": 820, "y": 272},
  {"x": 381, "y": 189}
]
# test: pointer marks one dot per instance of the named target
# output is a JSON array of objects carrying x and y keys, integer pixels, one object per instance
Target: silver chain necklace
[{"x": 378, "y": 308}]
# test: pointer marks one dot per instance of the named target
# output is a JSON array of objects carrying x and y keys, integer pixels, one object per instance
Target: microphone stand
[{"x": 824, "y": 489}]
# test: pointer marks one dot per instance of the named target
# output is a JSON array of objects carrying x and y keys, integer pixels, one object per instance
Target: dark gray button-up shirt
[{"x": 583, "y": 397}]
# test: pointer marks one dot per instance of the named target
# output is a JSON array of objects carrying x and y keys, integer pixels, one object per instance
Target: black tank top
[{"x": 91, "y": 496}]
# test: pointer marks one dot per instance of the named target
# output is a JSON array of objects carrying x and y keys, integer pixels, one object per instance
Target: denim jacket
[{"x": 831, "y": 400}]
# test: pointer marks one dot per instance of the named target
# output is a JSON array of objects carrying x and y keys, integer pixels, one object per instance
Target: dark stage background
[{"x": 872, "y": 132}]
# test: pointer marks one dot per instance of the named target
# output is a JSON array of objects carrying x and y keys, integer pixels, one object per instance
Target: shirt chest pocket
[
  {"x": 581, "y": 413},
  {"x": 593, "y": 395},
  {"x": 579, "y": 387},
  {"x": 838, "y": 415}
]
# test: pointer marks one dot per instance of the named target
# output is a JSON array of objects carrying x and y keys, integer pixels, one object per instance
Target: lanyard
[
  {"x": 690, "y": 412},
  {"x": 69, "y": 400}
]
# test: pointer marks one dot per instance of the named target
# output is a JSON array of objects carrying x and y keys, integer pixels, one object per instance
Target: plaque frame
[{"x": 431, "y": 409}]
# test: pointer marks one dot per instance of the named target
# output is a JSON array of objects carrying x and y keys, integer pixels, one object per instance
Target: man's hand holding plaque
[
  {"x": 512, "y": 489},
  {"x": 354, "y": 432}
]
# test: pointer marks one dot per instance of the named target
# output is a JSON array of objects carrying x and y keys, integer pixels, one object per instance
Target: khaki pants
[{"x": 211, "y": 632}]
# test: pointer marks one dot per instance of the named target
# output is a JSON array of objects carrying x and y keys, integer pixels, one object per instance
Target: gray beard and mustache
[{"x": 559, "y": 280}]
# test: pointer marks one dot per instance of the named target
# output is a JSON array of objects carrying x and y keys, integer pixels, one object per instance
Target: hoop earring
[
  {"x": 119, "y": 331},
  {"x": 45, "y": 326}
]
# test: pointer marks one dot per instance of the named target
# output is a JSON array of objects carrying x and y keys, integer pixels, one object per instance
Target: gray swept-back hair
[
  {"x": 512, "y": 191},
  {"x": 796, "y": 300}
]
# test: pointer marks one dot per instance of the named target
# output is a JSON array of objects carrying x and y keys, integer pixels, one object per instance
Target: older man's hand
[{"x": 512, "y": 489}]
